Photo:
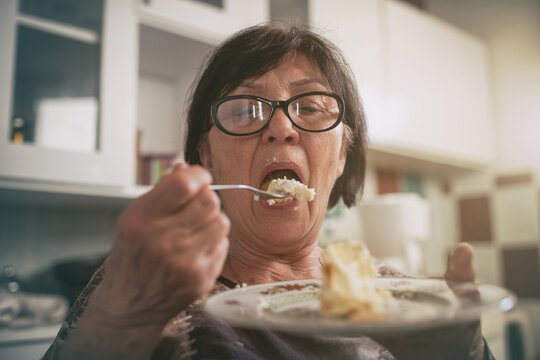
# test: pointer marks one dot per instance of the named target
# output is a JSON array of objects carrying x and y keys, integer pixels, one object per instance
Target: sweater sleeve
[{"x": 70, "y": 323}]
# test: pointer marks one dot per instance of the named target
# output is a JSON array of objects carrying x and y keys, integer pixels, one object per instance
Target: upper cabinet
[
  {"x": 67, "y": 91},
  {"x": 175, "y": 39},
  {"x": 436, "y": 88},
  {"x": 82, "y": 81},
  {"x": 163, "y": 98},
  {"x": 203, "y": 20},
  {"x": 425, "y": 84},
  {"x": 354, "y": 26}
]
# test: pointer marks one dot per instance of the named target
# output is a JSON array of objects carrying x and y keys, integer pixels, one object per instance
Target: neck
[{"x": 245, "y": 265}]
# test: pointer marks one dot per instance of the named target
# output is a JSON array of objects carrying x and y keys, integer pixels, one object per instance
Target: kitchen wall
[
  {"x": 497, "y": 209},
  {"x": 507, "y": 198}
]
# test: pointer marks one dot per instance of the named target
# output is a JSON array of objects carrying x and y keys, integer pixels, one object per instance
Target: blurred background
[{"x": 92, "y": 103}]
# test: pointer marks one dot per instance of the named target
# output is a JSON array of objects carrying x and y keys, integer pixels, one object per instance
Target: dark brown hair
[{"x": 256, "y": 50}]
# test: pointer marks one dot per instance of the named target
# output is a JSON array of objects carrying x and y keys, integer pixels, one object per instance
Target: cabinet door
[
  {"x": 437, "y": 88},
  {"x": 83, "y": 125},
  {"x": 205, "y": 20},
  {"x": 354, "y": 26}
]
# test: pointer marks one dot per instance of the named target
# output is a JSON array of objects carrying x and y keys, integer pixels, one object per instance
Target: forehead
[{"x": 295, "y": 73}]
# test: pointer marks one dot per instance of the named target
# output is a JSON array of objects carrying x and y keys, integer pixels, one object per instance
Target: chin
[{"x": 283, "y": 235}]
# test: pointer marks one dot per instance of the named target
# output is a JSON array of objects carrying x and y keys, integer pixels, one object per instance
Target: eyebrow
[
  {"x": 250, "y": 85},
  {"x": 299, "y": 83},
  {"x": 307, "y": 81}
]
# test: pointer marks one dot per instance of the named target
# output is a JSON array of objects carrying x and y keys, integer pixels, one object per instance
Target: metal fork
[{"x": 256, "y": 192}]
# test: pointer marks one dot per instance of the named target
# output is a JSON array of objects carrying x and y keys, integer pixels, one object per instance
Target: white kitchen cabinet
[
  {"x": 206, "y": 21},
  {"x": 175, "y": 39},
  {"x": 107, "y": 160},
  {"x": 99, "y": 154},
  {"x": 425, "y": 84},
  {"x": 354, "y": 26},
  {"x": 168, "y": 65},
  {"x": 437, "y": 101}
]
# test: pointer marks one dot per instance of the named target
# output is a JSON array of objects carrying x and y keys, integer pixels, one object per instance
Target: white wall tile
[
  {"x": 473, "y": 184},
  {"x": 488, "y": 264},
  {"x": 516, "y": 216},
  {"x": 443, "y": 228}
]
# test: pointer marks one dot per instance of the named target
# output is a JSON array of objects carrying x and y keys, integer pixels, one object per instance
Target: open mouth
[
  {"x": 278, "y": 174},
  {"x": 286, "y": 182}
]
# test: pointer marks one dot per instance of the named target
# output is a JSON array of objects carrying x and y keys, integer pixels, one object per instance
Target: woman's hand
[
  {"x": 462, "y": 341},
  {"x": 169, "y": 249}
]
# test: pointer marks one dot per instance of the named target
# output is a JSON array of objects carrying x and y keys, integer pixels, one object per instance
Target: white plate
[{"x": 293, "y": 306}]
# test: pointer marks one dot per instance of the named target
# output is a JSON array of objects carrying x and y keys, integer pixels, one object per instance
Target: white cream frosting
[
  {"x": 348, "y": 283},
  {"x": 289, "y": 187}
]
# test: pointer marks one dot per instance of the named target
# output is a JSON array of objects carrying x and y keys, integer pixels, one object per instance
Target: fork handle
[{"x": 227, "y": 187}]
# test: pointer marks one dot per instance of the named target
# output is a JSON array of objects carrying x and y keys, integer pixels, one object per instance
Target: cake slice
[{"x": 348, "y": 283}]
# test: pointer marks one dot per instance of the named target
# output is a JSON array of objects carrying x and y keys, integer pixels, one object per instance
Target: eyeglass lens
[{"x": 246, "y": 115}]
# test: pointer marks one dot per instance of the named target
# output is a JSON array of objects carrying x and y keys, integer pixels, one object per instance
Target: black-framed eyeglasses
[{"x": 242, "y": 115}]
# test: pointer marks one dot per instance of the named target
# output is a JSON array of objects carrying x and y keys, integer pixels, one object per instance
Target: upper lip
[{"x": 286, "y": 165}]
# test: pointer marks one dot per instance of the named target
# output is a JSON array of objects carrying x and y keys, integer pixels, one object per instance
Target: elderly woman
[{"x": 273, "y": 101}]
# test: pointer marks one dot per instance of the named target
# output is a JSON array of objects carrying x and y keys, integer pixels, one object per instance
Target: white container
[{"x": 392, "y": 225}]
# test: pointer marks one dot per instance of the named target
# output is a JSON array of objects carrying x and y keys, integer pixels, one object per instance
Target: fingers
[
  {"x": 215, "y": 259},
  {"x": 197, "y": 212},
  {"x": 204, "y": 235},
  {"x": 176, "y": 188},
  {"x": 460, "y": 264}
]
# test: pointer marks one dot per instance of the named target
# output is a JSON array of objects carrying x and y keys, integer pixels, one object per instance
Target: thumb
[{"x": 460, "y": 265}]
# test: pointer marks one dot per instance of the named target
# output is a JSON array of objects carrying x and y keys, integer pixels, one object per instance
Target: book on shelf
[{"x": 151, "y": 167}]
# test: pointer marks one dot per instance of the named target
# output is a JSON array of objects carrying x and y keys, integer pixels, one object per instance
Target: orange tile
[
  {"x": 522, "y": 271},
  {"x": 475, "y": 219},
  {"x": 387, "y": 182}
]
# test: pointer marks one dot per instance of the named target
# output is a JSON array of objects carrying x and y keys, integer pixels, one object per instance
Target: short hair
[{"x": 253, "y": 52}]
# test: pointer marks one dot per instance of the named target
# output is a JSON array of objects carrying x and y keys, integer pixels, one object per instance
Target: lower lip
[{"x": 287, "y": 205}]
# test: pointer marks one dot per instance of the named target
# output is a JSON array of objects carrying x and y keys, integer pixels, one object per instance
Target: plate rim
[{"x": 351, "y": 329}]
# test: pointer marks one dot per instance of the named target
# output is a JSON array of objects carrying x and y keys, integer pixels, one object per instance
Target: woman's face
[{"x": 316, "y": 159}]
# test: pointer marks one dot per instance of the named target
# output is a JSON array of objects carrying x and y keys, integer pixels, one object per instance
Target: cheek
[
  {"x": 229, "y": 162},
  {"x": 222, "y": 158},
  {"x": 329, "y": 153}
]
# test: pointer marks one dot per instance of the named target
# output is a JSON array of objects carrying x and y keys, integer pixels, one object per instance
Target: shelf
[
  {"x": 387, "y": 157},
  {"x": 53, "y": 27},
  {"x": 443, "y": 167},
  {"x": 25, "y": 192}
]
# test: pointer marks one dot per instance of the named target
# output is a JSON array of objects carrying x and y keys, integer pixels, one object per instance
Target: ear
[
  {"x": 204, "y": 153},
  {"x": 341, "y": 161}
]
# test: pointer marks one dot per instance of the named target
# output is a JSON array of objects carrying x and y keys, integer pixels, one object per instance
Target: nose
[{"x": 280, "y": 129}]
